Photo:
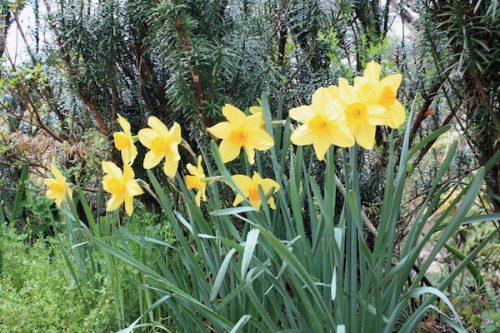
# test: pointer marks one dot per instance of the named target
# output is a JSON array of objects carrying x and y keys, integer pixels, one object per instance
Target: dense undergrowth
[{"x": 38, "y": 294}]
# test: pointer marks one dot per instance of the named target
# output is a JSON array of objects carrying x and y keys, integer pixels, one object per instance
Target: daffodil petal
[
  {"x": 128, "y": 172},
  {"x": 261, "y": 140},
  {"x": 268, "y": 184},
  {"x": 343, "y": 136},
  {"x": 151, "y": 160},
  {"x": 221, "y": 130},
  {"x": 255, "y": 109},
  {"x": 243, "y": 182},
  {"x": 131, "y": 154},
  {"x": 146, "y": 136},
  {"x": 254, "y": 120},
  {"x": 359, "y": 81},
  {"x": 114, "y": 202},
  {"x": 228, "y": 151},
  {"x": 347, "y": 92},
  {"x": 302, "y": 136},
  {"x": 51, "y": 194},
  {"x": 321, "y": 98},
  {"x": 365, "y": 136},
  {"x": 393, "y": 81},
  {"x": 59, "y": 199},
  {"x": 302, "y": 113},
  {"x": 157, "y": 125},
  {"x": 124, "y": 124},
  {"x": 129, "y": 205},
  {"x": 111, "y": 168},
  {"x": 197, "y": 199},
  {"x": 333, "y": 91},
  {"x": 133, "y": 188},
  {"x": 397, "y": 114},
  {"x": 320, "y": 148},
  {"x": 250, "y": 152},
  {"x": 57, "y": 174},
  {"x": 192, "y": 169},
  {"x": 271, "y": 203},
  {"x": 368, "y": 93},
  {"x": 233, "y": 114},
  {"x": 377, "y": 115},
  {"x": 170, "y": 166},
  {"x": 237, "y": 200},
  {"x": 203, "y": 195},
  {"x": 69, "y": 192},
  {"x": 372, "y": 71},
  {"x": 176, "y": 133}
]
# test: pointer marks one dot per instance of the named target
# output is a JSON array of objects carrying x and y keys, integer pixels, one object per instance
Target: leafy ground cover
[{"x": 38, "y": 293}]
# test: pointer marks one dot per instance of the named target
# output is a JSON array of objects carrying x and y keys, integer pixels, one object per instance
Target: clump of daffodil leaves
[{"x": 280, "y": 257}]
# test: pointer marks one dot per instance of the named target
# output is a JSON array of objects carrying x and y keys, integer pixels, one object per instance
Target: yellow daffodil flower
[
  {"x": 197, "y": 181},
  {"x": 240, "y": 131},
  {"x": 57, "y": 189},
  {"x": 163, "y": 144},
  {"x": 257, "y": 109},
  {"x": 250, "y": 188},
  {"x": 323, "y": 124},
  {"x": 387, "y": 91},
  {"x": 121, "y": 185},
  {"x": 124, "y": 142},
  {"x": 362, "y": 113}
]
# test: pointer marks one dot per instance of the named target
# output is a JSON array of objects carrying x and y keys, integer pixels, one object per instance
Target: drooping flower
[
  {"x": 387, "y": 91},
  {"x": 196, "y": 180},
  {"x": 124, "y": 142},
  {"x": 57, "y": 187},
  {"x": 323, "y": 124},
  {"x": 163, "y": 144},
  {"x": 362, "y": 111},
  {"x": 250, "y": 188},
  {"x": 240, "y": 131},
  {"x": 121, "y": 185}
]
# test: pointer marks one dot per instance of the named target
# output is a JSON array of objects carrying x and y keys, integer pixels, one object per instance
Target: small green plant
[{"x": 37, "y": 293}]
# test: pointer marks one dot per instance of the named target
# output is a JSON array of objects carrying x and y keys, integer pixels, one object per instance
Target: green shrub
[{"x": 37, "y": 293}]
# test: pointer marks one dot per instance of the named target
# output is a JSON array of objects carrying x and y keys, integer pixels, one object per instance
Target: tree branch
[{"x": 87, "y": 101}]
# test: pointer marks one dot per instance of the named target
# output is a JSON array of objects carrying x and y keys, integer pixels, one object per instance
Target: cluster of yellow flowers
[
  {"x": 344, "y": 114},
  {"x": 338, "y": 115}
]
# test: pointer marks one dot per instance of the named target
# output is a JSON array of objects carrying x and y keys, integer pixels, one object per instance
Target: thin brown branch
[
  {"x": 300, "y": 65},
  {"x": 283, "y": 31},
  {"x": 428, "y": 99},
  {"x": 23, "y": 35},
  {"x": 87, "y": 101},
  {"x": 31, "y": 105},
  {"x": 200, "y": 97}
]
